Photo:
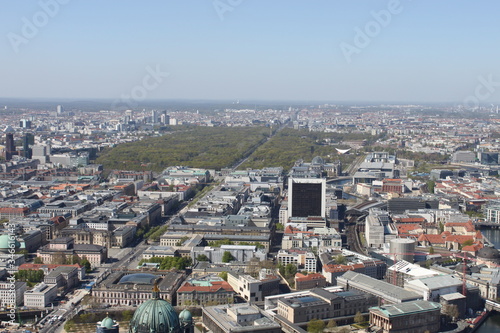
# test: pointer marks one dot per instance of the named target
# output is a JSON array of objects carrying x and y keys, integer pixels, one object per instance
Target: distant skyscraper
[
  {"x": 28, "y": 140},
  {"x": 10, "y": 146},
  {"x": 165, "y": 119},
  {"x": 306, "y": 197},
  {"x": 59, "y": 109},
  {"x": 25, "y": 123}
]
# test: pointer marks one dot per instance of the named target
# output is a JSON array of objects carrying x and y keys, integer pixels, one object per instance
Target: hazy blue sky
[{"x": 426, "y": 51}]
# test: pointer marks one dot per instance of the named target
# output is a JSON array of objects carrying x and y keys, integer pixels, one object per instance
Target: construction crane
[{"x": 464, "y": 257}]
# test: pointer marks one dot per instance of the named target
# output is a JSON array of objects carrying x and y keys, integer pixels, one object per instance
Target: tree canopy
[
  {"x": 30, "y": 276},
  {"x": 227, "y": 257},
  {"x": 290, "y": 145},
  {"x": 167, "y": 263},
  {"x": 200, "y": 147},
  {"x": 315, "y": 326},
  {"x": 359, "y": 318},
  {"x": 202, "y": 257}
]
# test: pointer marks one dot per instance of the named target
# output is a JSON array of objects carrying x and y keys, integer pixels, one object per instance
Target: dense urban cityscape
[
  {"x": 390, "y": 220},
  {"x": 232, "y": 166}
]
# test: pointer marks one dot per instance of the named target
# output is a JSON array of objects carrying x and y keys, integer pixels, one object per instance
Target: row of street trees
[{"x": 318, "y": 325}]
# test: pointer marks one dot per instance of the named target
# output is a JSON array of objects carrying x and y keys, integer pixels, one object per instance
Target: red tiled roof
[
  {"x": 58, "y": 219},
  {"x": 405, "y": 228},
  {"x": 410, "y": 219},
  {"x": 459, "y": 238},
  {"x": 469, "y": 227},
  {"x": 13, "y": 210},
  {"x": 473, "y": 247},
  {"x": 309, "y": 277},
  {"x": 41, "y": 266},
  {"x": 291, "y": 230},
  {"x": 332, "y": 268},
  {"x": 215, "y": 287},
  {"x": 433, "y": 239}
]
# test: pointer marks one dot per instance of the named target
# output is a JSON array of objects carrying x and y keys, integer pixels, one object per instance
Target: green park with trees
[
  {"x": 167, "y": 263},
  {"x": 198, "y": 147}
]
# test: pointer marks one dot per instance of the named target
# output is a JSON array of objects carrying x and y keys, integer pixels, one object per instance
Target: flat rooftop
[
  {"x": 403, "y": 309},
  {"x": 376, "y": 287},
  {"x": 222, "y": 315}
]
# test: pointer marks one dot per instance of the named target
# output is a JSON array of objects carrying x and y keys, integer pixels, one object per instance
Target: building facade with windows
[
  {"x": 303, "y": 259},
  {"x": 408, "y": 317},
  {"x": 40, "y": 296},
  {"x": 321, "y": 304},
  {"x": 306, "y": 197}
]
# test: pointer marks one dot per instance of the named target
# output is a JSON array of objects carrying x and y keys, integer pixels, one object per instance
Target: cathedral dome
[
  {"x": 155, "y": 316},
  {"x": 318, "y": 160}
]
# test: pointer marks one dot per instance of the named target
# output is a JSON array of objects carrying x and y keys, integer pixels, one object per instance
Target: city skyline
[{"x": 377, "y": 51}]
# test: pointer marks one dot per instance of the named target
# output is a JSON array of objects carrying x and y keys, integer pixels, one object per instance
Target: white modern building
[
  {"x": 430, "y": 288},
  {"x": 252, "y": 289},
  {"x": 40, "y": 296},
  {"x": 304, "y": 260}
]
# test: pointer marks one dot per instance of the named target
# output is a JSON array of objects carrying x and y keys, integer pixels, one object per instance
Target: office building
[
  {"x": 440, "y": 174},
  {"x": 10, "y": 296},
  {"x": 463, "y": 156},
  {"x": 10, "y": 147},
  {"x": 304, "y": 260},
  {"x": 28, "y": 140},
  {"x": 306, "y": 197},
  {"x": 63, "y": 276},
  {"x": 252, "y": 289},
  {"x": 488, "y": 158},
  {"x": 40, "y": 296}
]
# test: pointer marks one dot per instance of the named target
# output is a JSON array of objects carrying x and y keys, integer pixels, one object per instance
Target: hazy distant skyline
[{"x": 418, "y": 51}]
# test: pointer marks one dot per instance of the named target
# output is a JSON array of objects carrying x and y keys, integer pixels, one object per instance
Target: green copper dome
[
  {"x": 155, "y": 316},
  {"x": 107, "y": 322},
  {"x": 185, "y": 317},
  {"x": 5, "y": 243}
]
